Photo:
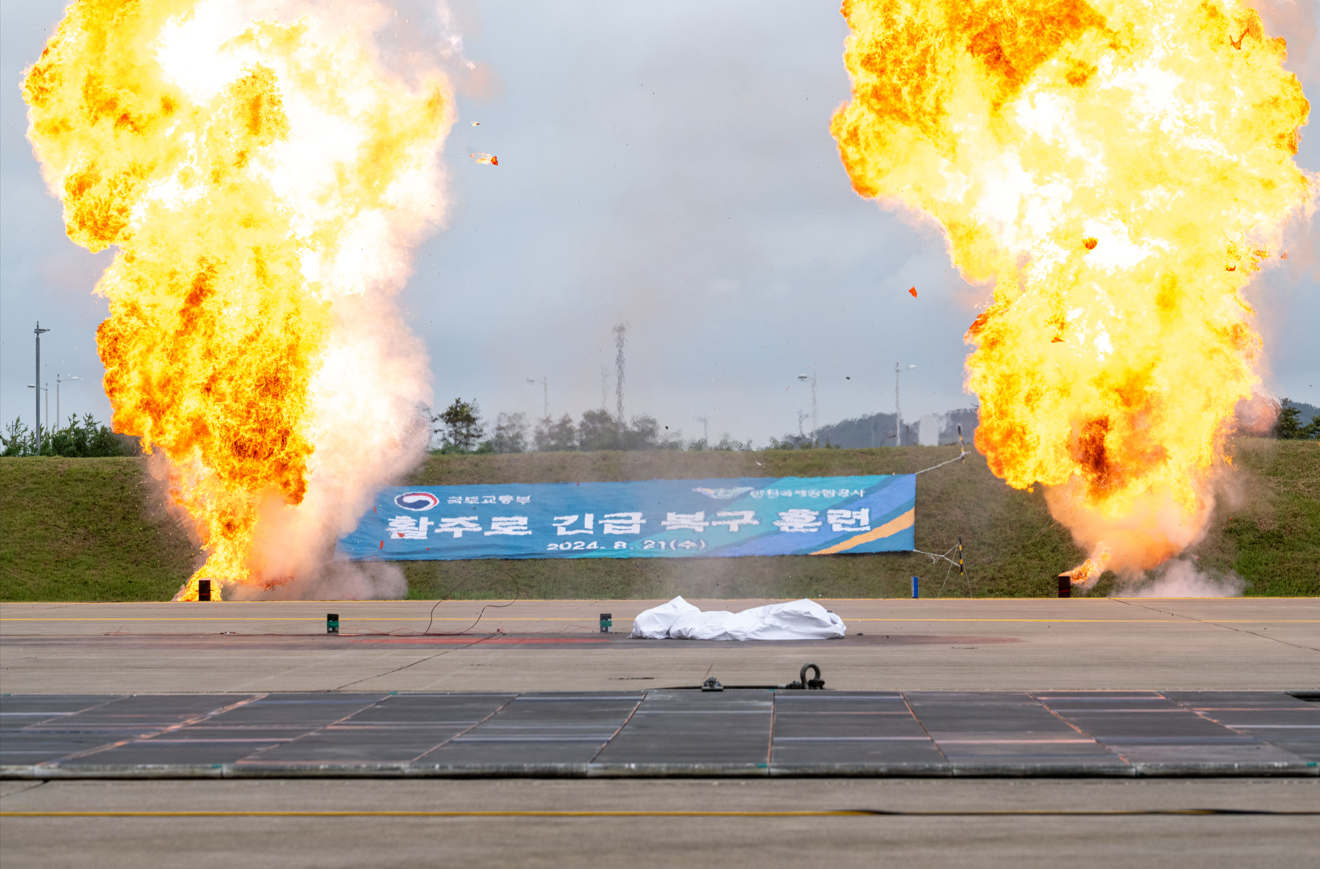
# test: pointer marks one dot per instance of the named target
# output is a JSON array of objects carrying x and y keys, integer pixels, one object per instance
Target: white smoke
[
  {"x": 336, "y": 580},
  {"x": 1181, "y": 578}
]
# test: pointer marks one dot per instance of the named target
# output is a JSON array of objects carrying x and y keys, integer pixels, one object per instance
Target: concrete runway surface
[
  {"x": 949, "y": 823},
  {"x": 892, "y": 645},
  {"x": 925, "y": 645}
]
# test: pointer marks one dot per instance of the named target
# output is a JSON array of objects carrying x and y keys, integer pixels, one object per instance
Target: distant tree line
[
  {"x": 77, "y": 439},
  {"x": 877, "y": 430},
  {"x": 1290, "y": 426},
  {"x": 461, "y": 430}
]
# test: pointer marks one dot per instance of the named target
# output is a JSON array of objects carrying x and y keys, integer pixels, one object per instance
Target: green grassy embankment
[
  {"x": 94, "y": 529},
  {"x": 88, "y": 529}
]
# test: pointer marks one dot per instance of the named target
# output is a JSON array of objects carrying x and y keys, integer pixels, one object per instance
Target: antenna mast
[{"x": 620, "y": 338}]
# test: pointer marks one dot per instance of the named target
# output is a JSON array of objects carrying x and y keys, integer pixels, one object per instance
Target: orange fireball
[
  {"x": 256, "y": 178},
  {"x": 1163, "y": 135}
]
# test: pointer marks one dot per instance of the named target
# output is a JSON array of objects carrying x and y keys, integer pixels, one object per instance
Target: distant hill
[
  {"x": 877, "y": 430},
  {"x": 97, "y": 529},
  {"x": 1307, "y": 412}
]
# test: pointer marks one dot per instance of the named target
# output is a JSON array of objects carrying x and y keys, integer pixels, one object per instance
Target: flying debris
[
  {"x": 1090, "y": 242},
  {"x": 913, "y": 292},
  {"x": 480, "y": 157},
  {"x": 476, "y": 123}
]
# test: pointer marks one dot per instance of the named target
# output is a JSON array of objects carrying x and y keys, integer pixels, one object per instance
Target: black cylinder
[
  {"x": 1065, "y": 585},
  {"x": 203, "y": 589}
]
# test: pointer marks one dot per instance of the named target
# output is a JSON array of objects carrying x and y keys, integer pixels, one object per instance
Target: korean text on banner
[{"x": 640, "y": 519}]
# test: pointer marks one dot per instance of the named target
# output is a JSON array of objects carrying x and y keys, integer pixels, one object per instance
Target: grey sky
[{"x": 668, "y": 164}]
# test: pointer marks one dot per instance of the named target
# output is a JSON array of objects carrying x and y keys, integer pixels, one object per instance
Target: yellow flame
[
  {"x": 256, "y": 177},
  {"x": 1119, "y": 169}
]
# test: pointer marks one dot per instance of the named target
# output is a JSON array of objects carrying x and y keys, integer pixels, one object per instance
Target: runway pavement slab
[{"x": 659, "y": 733}]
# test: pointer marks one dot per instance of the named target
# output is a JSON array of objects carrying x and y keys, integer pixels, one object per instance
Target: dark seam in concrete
[
  {"x": 1217, "y": 625},
  {"x": 30, "y": 787},
  {"x": 310, "y": 732},
  {"x": 194, "y": 720},
  {"x": 922, "y": 725},
  {"x": 466, "y": 730},
  {"x": 406, "y": 666},
  {"x": 1106, "y": 746},
  {"x": 619, "y": 729}
]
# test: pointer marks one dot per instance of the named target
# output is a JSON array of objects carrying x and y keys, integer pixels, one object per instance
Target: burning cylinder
[
  {"x": 1065, "y": 585},
  {"x": 203, "y": 589}
]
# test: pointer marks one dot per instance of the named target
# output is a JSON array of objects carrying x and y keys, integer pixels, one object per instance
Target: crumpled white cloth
[
  {"x": 653, "y": 624},
  {"x": 795, "y": 620}
]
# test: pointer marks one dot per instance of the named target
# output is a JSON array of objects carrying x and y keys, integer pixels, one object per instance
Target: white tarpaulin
[{"x": 795, "y": 620}]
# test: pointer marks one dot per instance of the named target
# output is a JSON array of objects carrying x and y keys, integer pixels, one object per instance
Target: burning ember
[
  {"x": 1119, "y": 169},
  {"x": 1090, "y": 570},
  {"x": 262, "y": 181}
]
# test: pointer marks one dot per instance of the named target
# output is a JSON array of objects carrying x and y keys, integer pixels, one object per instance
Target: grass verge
[
  {"x": 88, "y": 529},
  {"x": 94, "y": 529}
]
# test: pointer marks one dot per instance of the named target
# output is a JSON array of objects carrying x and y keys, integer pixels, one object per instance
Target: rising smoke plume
[
  {"x": 263, "y": 175},
  {"x": 1119, "y": 169}
]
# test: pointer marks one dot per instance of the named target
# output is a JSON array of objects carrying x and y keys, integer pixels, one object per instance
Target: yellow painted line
[
  {"x": 893, "y": 526},
  {"x": 424, "y": 813},
  {"x": 643, "y": 813},
  {"x": 621, "y": 618}
]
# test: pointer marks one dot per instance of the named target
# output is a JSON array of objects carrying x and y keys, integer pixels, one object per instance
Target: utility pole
[
  {"x": 620, "y": 338},
  {"x": 804, "y": 379},
  {"x": 898, "y": 411},
  {"x": 41, "y": 389},
  {"x": 545, "y": 388},
  {"x": 58, "y": 381},
  {"x": 37, "y": 383},
  {"x": 705, "y": 430}
]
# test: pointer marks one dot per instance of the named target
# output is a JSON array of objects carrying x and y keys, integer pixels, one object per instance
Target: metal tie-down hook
[{"x": 804, "y": 682}]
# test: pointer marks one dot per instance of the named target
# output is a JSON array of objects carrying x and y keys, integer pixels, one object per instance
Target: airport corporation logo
[
  {"x": 416, "y": 501},
  {"x": 724, "y": 494}
]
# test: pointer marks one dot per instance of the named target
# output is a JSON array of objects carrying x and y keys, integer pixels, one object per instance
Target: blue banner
[{"x": 640, "y": 519}]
